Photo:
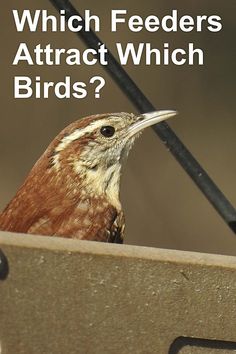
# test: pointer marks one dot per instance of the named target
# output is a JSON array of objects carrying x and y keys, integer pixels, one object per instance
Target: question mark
[{"x": 99, "y": 86}]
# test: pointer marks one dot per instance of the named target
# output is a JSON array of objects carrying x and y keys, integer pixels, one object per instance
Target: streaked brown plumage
[{"x": 73, "y": 189}]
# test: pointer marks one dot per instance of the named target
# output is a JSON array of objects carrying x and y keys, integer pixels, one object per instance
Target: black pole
[
  {"x": 165, "y": 133},
  {"x": 4, "y": 267}
]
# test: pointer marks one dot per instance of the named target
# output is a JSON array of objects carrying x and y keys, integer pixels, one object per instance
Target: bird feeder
[{"x": 69, "y": 296}]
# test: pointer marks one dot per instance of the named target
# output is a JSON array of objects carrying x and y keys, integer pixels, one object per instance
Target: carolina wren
[{"x": 73, "y": 189}]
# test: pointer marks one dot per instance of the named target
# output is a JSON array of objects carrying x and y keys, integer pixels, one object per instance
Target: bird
[{"x": 73, "y": 190}]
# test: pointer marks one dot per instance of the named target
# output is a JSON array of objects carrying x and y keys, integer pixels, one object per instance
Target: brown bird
[{"x": 73, "y": 189}]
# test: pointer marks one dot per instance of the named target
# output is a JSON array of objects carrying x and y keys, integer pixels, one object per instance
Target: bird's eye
[{"x": 107, "y": 131}]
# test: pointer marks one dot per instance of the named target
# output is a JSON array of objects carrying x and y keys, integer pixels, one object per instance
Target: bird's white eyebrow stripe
[{"x": 77, "y": 134}]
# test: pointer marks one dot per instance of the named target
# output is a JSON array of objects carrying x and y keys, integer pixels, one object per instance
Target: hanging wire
[{"x": 165, "y": 133}]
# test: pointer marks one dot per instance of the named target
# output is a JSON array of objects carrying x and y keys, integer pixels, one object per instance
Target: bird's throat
[{"x": 103, "y": 181}]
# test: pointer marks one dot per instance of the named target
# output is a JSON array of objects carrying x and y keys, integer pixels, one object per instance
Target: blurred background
[{"x": 163, "y": 207}]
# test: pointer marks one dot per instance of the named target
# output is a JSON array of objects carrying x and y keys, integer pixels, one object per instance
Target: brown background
[{"x": 163, "y": 207}]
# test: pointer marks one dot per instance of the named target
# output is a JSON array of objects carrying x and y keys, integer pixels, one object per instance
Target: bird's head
[{"x": 93, "y": 149}]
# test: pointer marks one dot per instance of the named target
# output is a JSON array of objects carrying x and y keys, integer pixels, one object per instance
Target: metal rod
[
  {"x": 4, "y": 267},
  {"x": 165, "y": 133}
]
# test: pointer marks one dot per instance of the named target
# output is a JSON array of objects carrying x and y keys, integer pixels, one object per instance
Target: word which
[
  {"x": 39, "y": 19},
  {"x": 165, "y": 55}
]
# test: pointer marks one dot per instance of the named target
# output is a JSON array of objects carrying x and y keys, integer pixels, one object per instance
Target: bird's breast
[{"x": 91, "y": 219}]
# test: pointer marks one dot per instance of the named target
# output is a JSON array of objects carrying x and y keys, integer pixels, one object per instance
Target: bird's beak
[{"x": 148, "y": 119}]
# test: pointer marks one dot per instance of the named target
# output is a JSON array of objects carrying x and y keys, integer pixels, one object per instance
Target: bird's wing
[
  {"x": 116, "y": 232},
  {"x": 43, "y": 226}
]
